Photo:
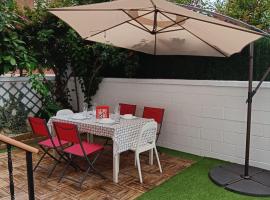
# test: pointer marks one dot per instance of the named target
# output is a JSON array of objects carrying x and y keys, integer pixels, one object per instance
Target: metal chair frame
[
  {"x": 90, "y": 169},
  {"x": 46, "y": 152}
]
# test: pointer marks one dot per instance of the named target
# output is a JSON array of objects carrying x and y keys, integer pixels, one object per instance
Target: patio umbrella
[
  {"x": 156, "y": 27},
  {"x": 162, "y": 28}
]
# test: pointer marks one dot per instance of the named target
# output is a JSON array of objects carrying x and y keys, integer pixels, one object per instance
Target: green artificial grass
[
  {"x": 5, "y": 149},
  {"x": 193, "y": 183}
]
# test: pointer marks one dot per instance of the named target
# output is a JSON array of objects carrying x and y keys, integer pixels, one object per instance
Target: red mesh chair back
[
  {"x": 39, "y": 126},
  {"x": 67, "y": 132},
  {"x": 154, "y": 113},
  {"x": 127, "y": 109}
]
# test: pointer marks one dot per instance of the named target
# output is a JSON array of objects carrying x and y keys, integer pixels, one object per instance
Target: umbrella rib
[
  {"x": 152, "y": 2},
  {"x": 117, "y": 25},
  {"x": 138, "y": 27},
  {"x": 85, "y": 9},
  {"x": 180, "y": 29},
  {"x": 174, "y": 23},
  {"x": 225, "y": 18},
  {"x": 135, "y": 19},
  {"x": 214, "y": 47},
  {"x": 155, "y": 22},
  {"x": 215, "y": 23},
  {"x": 217, "y": 49}
]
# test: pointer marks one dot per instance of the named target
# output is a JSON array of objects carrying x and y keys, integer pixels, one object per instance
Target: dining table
[{"x": 123, "y": 131}]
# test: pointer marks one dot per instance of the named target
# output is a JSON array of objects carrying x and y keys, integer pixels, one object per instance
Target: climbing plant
[
  {"x": 60, "y": 48},
  {"x": 13, "y": 115},
  {"x": 14, "y": 52}
]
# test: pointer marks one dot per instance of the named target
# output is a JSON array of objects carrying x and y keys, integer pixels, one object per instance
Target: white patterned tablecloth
[{"x": 124, "y": 133}]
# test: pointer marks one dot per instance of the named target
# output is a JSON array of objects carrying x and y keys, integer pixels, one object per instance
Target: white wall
[{"x": 202, "y": 117}]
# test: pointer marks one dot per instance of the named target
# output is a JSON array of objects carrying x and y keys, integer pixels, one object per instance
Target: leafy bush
[
  {"x": 253, "y": 12},
  {"x": 45, "y": 89},
  {"x": 14, "y": 52},
  {"x": 13, "y": 115}
]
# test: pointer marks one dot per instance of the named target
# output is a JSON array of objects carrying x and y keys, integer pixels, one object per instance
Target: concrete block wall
[{"x": 206, "y": 118}]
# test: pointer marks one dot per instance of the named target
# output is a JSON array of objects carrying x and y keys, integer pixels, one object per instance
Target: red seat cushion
[
  {"x": 88, "y": 148},
  {"x": 154, "y": 113},
  {"x": 48, "y": 142},
  {"x": 127, "y": 109}
]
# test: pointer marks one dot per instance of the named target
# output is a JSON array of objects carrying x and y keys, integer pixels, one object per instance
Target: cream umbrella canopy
[{"x": 156, "y": 27}]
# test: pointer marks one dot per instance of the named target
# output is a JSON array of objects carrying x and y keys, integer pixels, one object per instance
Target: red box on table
[{"x": 102, "y": 112}]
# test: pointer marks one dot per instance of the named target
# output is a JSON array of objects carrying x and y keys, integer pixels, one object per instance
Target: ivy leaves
[
  {"x": 14, "y": 53},
  {"x": 45, "y": 89},
  {"x": 13, "y": 115}
]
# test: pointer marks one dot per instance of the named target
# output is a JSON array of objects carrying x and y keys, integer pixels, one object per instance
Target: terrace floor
[{"x": 94, "y": 186}]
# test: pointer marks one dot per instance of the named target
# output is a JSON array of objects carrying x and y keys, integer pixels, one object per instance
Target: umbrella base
[{"x": 231, "y": 177}]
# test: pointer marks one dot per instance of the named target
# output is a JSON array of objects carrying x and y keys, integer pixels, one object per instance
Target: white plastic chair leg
[
  {"x": 151, "y": 156},
  {"x": 156, "y": 152},
  {"x": 139, "y": 167}
]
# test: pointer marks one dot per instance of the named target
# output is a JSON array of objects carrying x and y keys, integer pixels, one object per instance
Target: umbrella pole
[
  {"x": 244, "y": 179},
  {"x": 249, "y": 108}
]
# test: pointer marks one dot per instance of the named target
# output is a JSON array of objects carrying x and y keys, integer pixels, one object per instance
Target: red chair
[
  {"x": 127, "y": 109},
  {"x": 83, "y": 149},
  {"x": 39, "y": 128},
  {"x": 156, "y": 114}
]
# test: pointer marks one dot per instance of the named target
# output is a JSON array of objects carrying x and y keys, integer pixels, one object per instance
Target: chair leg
[
  {"x": 157, "y": 137},
  {"x": 139, "y": 167},
  {"x": 91, "y": 165},
  {"x": 96, "y": 157},
  {"x": 151, "y": 157},
  {"x": 64, "y": 171},
  {"x": 68, "y": 158},
  {"x": 41, "y": 158},
  {"x": 54, "y": 167},
  {"x": 54, "y": 158},
  {"x": 97, "y": 172},
  {"x": 48, "y": 153},
  {"x": 84, "y": 177},
  {"x": 156, "y": 152},
  {"x": 135, "y": 162}
]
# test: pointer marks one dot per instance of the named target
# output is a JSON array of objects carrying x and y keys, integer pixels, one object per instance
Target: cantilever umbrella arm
[{"x": 259, "y": 84}]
